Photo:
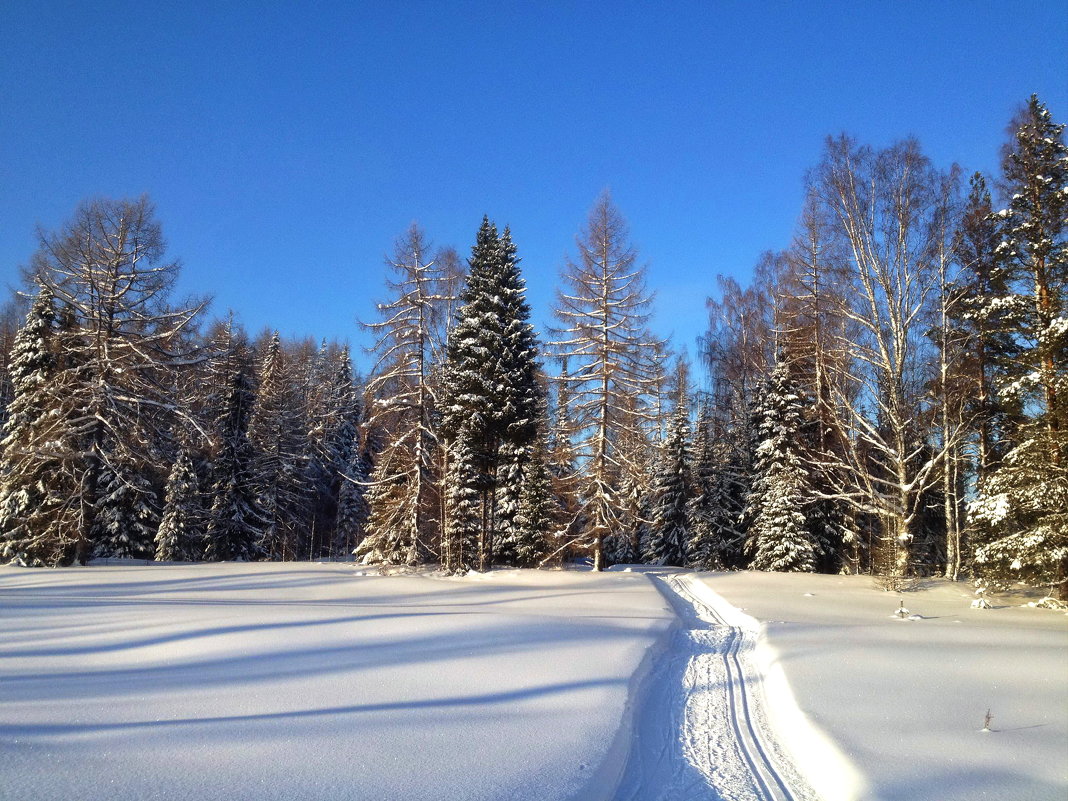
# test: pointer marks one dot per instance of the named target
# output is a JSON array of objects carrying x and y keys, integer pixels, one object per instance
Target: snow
[
  {"x": 331, "y": 681},
  {"x": 905, "y": 700},
  {"x": 310, "y": 681}
]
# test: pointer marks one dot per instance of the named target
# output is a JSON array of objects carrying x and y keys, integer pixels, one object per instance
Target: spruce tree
[
  {"x": 125, "y": 519},
  {"x": 491, "y": 390},
  {"x": 703, "y": 550},
  {"x": 232, "y": 521},
  {"x": 180, "y": 538},
  {"x": 463, "y": 501},
  {"x": 669, "y": 528},
  {"x": 624, "y": 547},
  {"x": 778, "y": 536},
  {"x": 983, "y": 317},
  {"x": 1021, "y": 513},
  {"x": 537, "y": 512},
  {"x": 352, "y": 508},
  {"x": 38, "y": 495},
  {"x": 276, "y": 433}
]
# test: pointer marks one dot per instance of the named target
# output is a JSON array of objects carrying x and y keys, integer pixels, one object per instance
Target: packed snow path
[{"x": 703, "y": 732}]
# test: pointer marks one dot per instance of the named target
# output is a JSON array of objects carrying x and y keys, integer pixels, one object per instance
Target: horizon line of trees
[{"x": 889, "y": 395}]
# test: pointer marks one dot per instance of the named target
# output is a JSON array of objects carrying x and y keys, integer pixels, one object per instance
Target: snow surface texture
[
  {"x": 905, "y": 699},
  {"x": 703, "y": 732},
  {"x": 309, "y": 681}
]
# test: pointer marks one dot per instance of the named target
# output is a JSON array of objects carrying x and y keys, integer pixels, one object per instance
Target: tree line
[{"x": 886, "y": 396}]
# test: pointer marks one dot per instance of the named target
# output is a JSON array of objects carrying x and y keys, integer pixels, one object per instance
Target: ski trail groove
[{"x": 702, "y": 732}]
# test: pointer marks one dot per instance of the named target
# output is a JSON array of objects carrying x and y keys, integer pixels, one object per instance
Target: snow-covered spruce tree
[
  {"x": 352, "y": 509},
  {"x": 463, "y": 503},
  {"x": 984, "y": 318},
  {"x": 39, "y": 511},
  {"x": 12, "y": 316},
  {"x": 702, "y": 549},
  {"x": 180, "y": 538},
  {"x": 125, "y": 518},
  {"x": 491, "y": 390},
  {"x": 402, "y": 400},
  {"x": 603, "y": 310},
  {"x": 538, "y": 510},
  {"x": 120, "y": 347},
  {"x": 624, "y": 547},
  {"x": 233, "y": 532},
  {"x": 333, "y": 412},
  {"x": 277, "y": 435},
  {"x": 1022, "y": 510},
  {"x": 737, "y": 352},
  {"x": 669, "y": 528},
  {"x": 778, "y": 533}
]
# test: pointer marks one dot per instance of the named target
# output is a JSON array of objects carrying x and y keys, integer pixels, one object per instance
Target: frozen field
[
  {"x": 305, "y": 681},
  {"x": 905, "y": 699}
]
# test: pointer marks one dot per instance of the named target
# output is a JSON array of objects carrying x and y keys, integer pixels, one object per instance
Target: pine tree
[
  {"x": 38, "y": 494},
  {"x": 179, "y": 538},
  {"x": 779, "y": 537},
  {"x": 669, "y": 528},
  {"x": 491, "y": 390}
]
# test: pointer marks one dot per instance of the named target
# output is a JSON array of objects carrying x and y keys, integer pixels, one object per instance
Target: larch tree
[
  {"x": 402, "y": 407},
  {"x": 603, "y": 315},
  {"x": 120, "y": 346}
]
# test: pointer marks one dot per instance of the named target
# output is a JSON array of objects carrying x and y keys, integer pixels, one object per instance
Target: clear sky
[{"x": 287, "y": 145}]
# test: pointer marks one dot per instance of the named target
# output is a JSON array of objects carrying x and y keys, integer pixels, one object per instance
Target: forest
[{"x": 889, "y": 395}]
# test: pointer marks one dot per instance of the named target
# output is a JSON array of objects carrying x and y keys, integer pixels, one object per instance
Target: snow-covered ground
[
  {"x": 906, "y": 699},
  {"x": 316, "y": 681},
  {"x": 307, "y": 681}
]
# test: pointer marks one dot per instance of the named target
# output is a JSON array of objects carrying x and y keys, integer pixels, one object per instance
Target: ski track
[{"x": 702, "y": 732}]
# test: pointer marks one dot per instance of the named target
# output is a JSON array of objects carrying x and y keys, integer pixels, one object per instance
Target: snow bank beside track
[{"x": 814, "y": 755}]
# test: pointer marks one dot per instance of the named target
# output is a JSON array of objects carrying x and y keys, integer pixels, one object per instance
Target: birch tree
[{"x": 883, "y": 205}]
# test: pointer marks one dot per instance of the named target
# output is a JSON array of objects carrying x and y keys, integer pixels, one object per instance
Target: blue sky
[{"x": 287, "y": 145}]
